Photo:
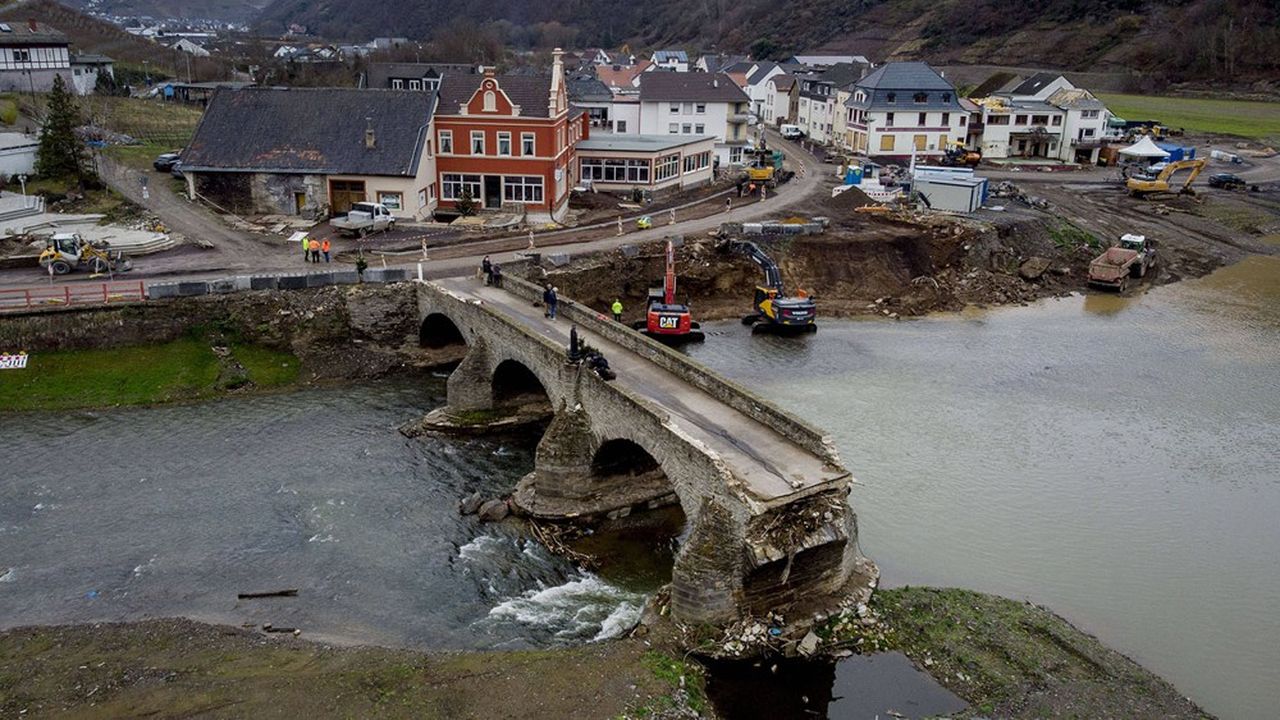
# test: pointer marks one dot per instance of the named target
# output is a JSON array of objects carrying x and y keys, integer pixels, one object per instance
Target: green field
[
  {"x": 181, "y": 370},
  {"x": 1254, "y": 120}
]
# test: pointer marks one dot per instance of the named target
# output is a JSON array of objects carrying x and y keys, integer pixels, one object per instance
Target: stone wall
[{"x": 727, "y": 391}]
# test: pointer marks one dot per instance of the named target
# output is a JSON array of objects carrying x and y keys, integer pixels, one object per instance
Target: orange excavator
[{"x": 666, "y": 320}]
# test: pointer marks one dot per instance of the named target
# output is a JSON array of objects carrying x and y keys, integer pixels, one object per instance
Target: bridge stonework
[{"x": 742, "y": 555}]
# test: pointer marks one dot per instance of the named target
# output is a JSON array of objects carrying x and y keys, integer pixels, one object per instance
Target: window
[
  {"x": 446, "y": 142},
  {"x": 920, "y": 141},
  {"x": 415, "y": 84},
  {"x": 946, "y": 119},
  {"x": 686, "y": 128},
  {"x": 452, "y": 186},
  {"x": 700, "y": 108},
  {"x": 688, "y": 108},
  {"x": 963, "y": 120},
  {"x": 923, "y": 119},
  {"x": 886, "y": 142},
  {"x": 1087, "y": 132},
  {"x": 891, "y": 97},
  {"x": 504, "y": 143},
  {"x": 527, "y": 146},
  {"x": 920, "y": 97},
  {"x": 666, "y": 167},
  {"x": 1088, "y": 114},
  {"x": 888, "y": 119},
  {"x": 699, "y": 128},
  {"x": 1057, "y": 120},
  {"x": 1020, "y": 120},
  {"x": 393, "y": 200},
  {"x": 431, "y": 84},
  {"x": 697, "y": 161},
  {"x": 1039, "y": 119},
  {"x": 477, "y": 142},
  {"x": 946, "y": 97},
  {"x": 998, "y": 120},
  {"x": 522, "y": 188},
  {"x": 673, "y": 128},
  {"x": 397, "y": 84},
  {"x": 422, "y": 198},
  {"x": 490, "y": 101},
  {"x": 942, "y": 142},
  {"x": 675, "y": 108},
  {"x": 735, "y": 155},
  {"x": 615, "y": 170},
  {"x": 620, "y": 126}
]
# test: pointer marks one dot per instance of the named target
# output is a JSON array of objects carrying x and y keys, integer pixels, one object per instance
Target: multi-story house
[
  {"x": 902, "y": 108},
  {"x": 31, "y": 55},
  {"x": 508, "y": 141},
  {"x": 696, "y": 104},
  {"x": 781, "y": 100},
  {"x": 1044, "y": 116},
  {"x": 674, "y": 60},
  {"x": 818, "y": 110}
]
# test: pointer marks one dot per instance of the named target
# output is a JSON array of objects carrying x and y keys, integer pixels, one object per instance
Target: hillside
[
  {"x": 1169, "y": 40},
  {"x": 237, "y": 11}
]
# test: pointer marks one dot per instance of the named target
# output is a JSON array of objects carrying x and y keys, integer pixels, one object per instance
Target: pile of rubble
[
  {"x": 1007, "y": 189},
  {"x": 103, "y": 136}
]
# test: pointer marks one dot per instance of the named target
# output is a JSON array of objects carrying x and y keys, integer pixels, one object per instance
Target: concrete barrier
[
  {"x": 192, "y": 289},
  {"x": 319, "y": 279},
  {"x": 701, "y": 377},
  {"x": 291, "y": 282},
  {"x": 558, "y": 259},
  {"x": 222, "y": 286},
  {"x": 345, "y": 277},
  {"x": 156, "y": 291}
]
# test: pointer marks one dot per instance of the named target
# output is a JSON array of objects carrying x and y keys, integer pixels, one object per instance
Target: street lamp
[{"x": 22, "y": 179}]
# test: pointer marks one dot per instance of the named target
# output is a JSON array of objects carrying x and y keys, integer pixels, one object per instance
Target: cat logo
[{"x": 669, "y": 322}]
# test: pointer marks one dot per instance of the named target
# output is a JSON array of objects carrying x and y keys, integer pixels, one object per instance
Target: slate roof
[
  {"x": 380, "y": 74},
  {"x": 530, "y": 92},
  {"x": 311, "y": 130},
  {"x": 783, "y": 82},
  {"x": 904, "y": 80},
  {"x": 904, "y": 76},
  {"x": 588, "y": 89},
  {"x": 22, "y": 33},
  {"x": 705, "y": 87},
  {"x": 1035, "y": 83},
  {"x": 716, "y": 63},
  {"x": 842, "y": 74},
  {"x": 998, "y": 82},
  {"x": 762, "y": 69}
]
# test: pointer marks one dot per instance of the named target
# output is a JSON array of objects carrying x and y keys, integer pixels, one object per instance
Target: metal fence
[{"x": 66, "y": 295}]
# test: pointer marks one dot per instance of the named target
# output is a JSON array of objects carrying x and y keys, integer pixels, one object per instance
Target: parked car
[
  {"x": 176, "y": 170},
  {"x": 791, "y": 132},
  {"x": 364, "y": 218},
  {"x": 1227, "y": 181},
  {"x": 165, "y": 162}
]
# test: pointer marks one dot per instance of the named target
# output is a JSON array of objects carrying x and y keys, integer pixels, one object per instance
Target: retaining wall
[{"x": 701, "y": 377}]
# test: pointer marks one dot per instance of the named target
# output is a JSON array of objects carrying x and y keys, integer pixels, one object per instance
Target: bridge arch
[
  {"x": 513, "y": 384},
  {"x": 439, "y": 331}
]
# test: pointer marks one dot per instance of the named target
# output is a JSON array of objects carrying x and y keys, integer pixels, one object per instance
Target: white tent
[{"x": 1144, "y": 148}]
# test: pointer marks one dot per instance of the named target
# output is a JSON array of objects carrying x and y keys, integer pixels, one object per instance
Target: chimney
[
  {"x": 370, "y": 140},
  {"x": 715, "y": 82},
  {"x": 557, "y": 81},
  {"x": 31, "y": 23}
]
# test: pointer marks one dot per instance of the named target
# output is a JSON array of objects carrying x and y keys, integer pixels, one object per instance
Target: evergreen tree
[{"x": 61, "y": 153}]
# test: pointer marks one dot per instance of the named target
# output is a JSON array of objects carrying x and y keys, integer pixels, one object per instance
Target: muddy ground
[{"x": 907, "y": 263}]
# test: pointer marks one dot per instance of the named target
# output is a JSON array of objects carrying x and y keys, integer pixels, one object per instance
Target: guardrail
[
  {"x": 730, "y": 393},
  {"x": 69, "y": 294}
]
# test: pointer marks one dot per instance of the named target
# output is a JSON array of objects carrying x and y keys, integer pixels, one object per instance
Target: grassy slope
[
  {"x": 178, "y": 668},
  {"x": 1257, "y": 120},
  {"x": 182, "y": 370}
]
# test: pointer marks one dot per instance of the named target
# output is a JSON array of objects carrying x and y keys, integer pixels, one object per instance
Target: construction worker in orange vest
[
  {"x": 324, "y": 248},
  {"x": 315, "y": 250}
]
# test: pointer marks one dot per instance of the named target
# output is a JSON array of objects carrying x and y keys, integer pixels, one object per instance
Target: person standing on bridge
[
  {"x": 324, "y": 248},
  {"x": 486, "y": 267},
  {"x": 495, "y": 276},
  {"x": 552, "y": 301},
  {"x": 617, "y": 310}
]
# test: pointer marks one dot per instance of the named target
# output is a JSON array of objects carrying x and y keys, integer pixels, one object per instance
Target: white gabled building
[
  {"x": 674, "y": 60},
  {"x": 1044, "y": 116},
  {"x": 696, "y": 104}
]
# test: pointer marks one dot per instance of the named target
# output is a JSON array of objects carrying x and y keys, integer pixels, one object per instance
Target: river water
[{"x": 1115, "y": 459}]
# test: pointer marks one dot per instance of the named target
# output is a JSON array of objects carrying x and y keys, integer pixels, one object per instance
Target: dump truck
[
  {"x": 1133, "y": 257},
  {"x": 65, "y": 252},
  {"x": 364, "y": 218}
]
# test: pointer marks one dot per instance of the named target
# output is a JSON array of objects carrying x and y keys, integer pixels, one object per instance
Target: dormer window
[
  {"x": 921, "y": 97},
  {"x": 946, "y": 97},
  {"x": 891, "y": 97}
]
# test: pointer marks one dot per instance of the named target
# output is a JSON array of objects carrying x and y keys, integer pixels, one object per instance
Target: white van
[{"x": 791, "y": 132}]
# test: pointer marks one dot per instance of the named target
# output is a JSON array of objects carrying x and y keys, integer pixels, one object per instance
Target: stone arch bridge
[{"x": 766, "y": 499}]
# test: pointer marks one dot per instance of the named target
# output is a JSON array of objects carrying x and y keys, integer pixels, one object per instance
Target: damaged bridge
[{"x": 766, "y": 498}]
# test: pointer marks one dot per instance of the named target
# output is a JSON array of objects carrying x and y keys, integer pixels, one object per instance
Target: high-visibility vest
[
  {"x": 325, "y": 246},
  {"x": 617, "y": 307},
  {"x": 306, "y": 242},
  {"x": 315, "y": 245}
]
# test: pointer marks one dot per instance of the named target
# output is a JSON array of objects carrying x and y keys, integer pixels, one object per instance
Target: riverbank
[{"x": 1005, "y": 658}]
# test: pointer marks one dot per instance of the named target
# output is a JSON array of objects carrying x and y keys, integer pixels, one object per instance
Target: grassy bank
[
  {"x": 179, "y": 668},
  {"x": 186, "y": 369},
  {"x": 1255, "y": 120},
  {"x": 1017, "y": 660}
]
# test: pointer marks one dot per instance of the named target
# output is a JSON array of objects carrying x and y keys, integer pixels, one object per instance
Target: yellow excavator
[{"x": 1147, "y": 186}]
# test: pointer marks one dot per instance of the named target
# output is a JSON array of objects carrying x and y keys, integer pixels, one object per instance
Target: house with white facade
[
  {"x": 1044, "y": 116},
  {"x": 696, "y": 104},
  {"x": 757, "y": 85},
  {"x": 781, "y": 100},
  {"x": 190, "y": 47},
  {"x": 674, "y": 60},
  {"x": 818, "y": 111},
  {"x": 901, "y": 108},
  {"x": 31, "y": 55},
  {"x": 85, "y": 69}
]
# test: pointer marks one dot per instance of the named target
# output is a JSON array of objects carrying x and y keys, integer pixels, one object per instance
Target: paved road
[{"x": 770, "y": 466}]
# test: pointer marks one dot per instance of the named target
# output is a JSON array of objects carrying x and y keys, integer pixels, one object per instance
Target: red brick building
[{"x": 508, "y": 141}]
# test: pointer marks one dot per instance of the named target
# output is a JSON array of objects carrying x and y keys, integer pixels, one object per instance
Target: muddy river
[{"x": 1115, "y": 459}]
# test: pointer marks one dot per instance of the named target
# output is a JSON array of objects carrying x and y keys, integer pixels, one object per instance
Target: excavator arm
[{"x": 772, "y": 275}]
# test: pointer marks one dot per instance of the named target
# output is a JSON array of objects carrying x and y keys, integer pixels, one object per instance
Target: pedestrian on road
[
  {"x": 324, "y": 248},
  {"x": 487, "y": 268},
  {"x": 306, "y": 247},
  {"x": 555, "y": 301},
  {"x": 546, "y": 300},
  {"x": 314, "y": 246},
  {"x": 497, "y": 275},
  {"x": 762, "y": 192},
  {"x": 617, "y": 310}
]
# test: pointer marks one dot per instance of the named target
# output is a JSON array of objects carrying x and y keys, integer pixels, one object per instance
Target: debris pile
[{"x": 1007, "y": 189}]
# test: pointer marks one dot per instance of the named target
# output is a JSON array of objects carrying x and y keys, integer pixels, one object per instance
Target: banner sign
[{"x": 17, "y": 361}]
